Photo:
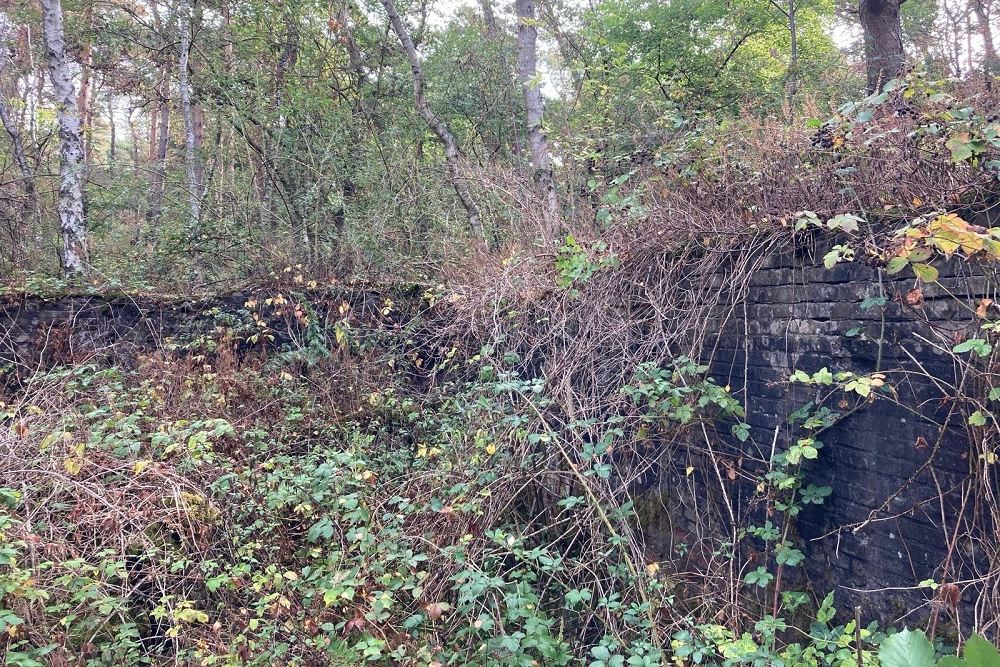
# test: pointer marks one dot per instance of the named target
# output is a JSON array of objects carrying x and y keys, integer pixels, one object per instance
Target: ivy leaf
[
  {"x": 909, "y": 648},
  {"x": 873, "y": 301},
  {"x": 977, "y": 418},
  {"x": 925, "y": 272}
]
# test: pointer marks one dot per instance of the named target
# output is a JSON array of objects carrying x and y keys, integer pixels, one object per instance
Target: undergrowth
[{"x": 461, "y": 487}]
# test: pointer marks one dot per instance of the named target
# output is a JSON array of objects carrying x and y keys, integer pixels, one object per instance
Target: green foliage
[
  {"x": 911, "y": 648},
  {"x": 576, "y": 264}
]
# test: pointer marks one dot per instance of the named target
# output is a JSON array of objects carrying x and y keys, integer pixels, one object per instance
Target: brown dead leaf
[
  {"x": 436, "y": 609},
  {"x": 981, "y": 308},
  {"x": 915, "y": 297},
  {"x": 356, "y": 623},
  {"x": 950, "y": 594}
]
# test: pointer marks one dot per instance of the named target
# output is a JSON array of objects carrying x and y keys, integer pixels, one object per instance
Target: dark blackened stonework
[
  {"x": 38, "y": 333},
  {"x": 896, "y": 485},
  {"x": 896, "y": 479}
]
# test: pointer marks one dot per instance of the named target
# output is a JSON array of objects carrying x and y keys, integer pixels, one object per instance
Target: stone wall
[
  {"x": 896, "y": 480},
  {"x": 39, "y": 332},
  {"x": 898, "y": 465}
]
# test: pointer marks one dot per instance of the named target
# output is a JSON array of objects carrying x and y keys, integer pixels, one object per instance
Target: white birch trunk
[
  {"x": 451, "y": 152},
  {"x": 527, "y": 73},
  {"x": 190, "y": 155},
  {"x": 72, "y": 223}
]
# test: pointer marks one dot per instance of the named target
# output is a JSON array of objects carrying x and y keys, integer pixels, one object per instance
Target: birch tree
[
  {"x": 72, "y": 222},
  {"x": 14, "y": 132},
  {"x": 451, "y": 153},
  {"x": 527, "y": 73},
  {"x": 190, "y": 155}
]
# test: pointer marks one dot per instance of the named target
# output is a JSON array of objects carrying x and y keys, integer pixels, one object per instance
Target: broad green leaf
[
  {"x": 981, "y": 653},
  {"x": 897, "y": 264},
  {"x": 909, "y": 648},
  {"x": 925, "y": 272},
  {"x": 977, "y": 418}
]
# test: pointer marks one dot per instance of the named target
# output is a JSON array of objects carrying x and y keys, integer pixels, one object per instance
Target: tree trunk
[
  {"x": 451, "y": 152},
  {"x": 884, "y": 55},
  {"x": 160, "y": 125},
  {"x": 991, "y": 62},
  {"x": 527, "y": 73},
  {"x": 72, "y": 222},
  {"x": 190, "y": 156},
  {"x": 16, "y": 141},
  {"x": 793, "y": 60},
  {"x": 492, "y": 28},
  {"x": 112, "y": 134},
  {"x": 86, "y": 83}
]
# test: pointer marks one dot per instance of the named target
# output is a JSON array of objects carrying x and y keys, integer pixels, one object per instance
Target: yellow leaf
[
  {"x": 72, "y": 465},
  {"x": 690, "y": 469}
]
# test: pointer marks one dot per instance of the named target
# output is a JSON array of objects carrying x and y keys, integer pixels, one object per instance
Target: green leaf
[
  {"x": 873, "y": 301},
  {"x": 761, "y": 577},
  {"x": 977, "y": 418},
  {"x": 896, "y": 264},
  {"x": 845, "y": 222},
  {"x": 980, "y": 346},
  {"x": 909, "y": 648},
  {"x": 960, "y": 148},
  {"x": 823, "y": 376},
  {"x": 789, "y": 556},
  {"x": 981, "y": 653},
  {"x": 600, "y": 652},
  {"x": 800, "y": 376},
  {"x": 925, "y": 272}
]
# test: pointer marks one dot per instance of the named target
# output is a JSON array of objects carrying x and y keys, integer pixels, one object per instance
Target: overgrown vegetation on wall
[{"x": 551, "y": 336}]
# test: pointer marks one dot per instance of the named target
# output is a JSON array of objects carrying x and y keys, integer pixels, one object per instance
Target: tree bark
[
  {"x": 16, "y": 141},
  {"x": 112, "y": 134},
  {"x": 884, "y": 54},
  {"x": 527, "y": 73},
  {"x": 72, "y": 222},
  {"x": 159, "y": 136},
  {"x": 451, "y": 153},
  {"x": 490, "y": 17},
  {"x": 793, "y": 60},
  {"x": 86, "y": 84},
  {"x": 190, "y": 154},
  {"x": 991, "y": 62}
]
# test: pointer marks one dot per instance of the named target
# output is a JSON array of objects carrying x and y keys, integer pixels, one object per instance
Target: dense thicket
[
  {"x": 463, "y": 410},
  {"x": 215, "y": 140}
]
